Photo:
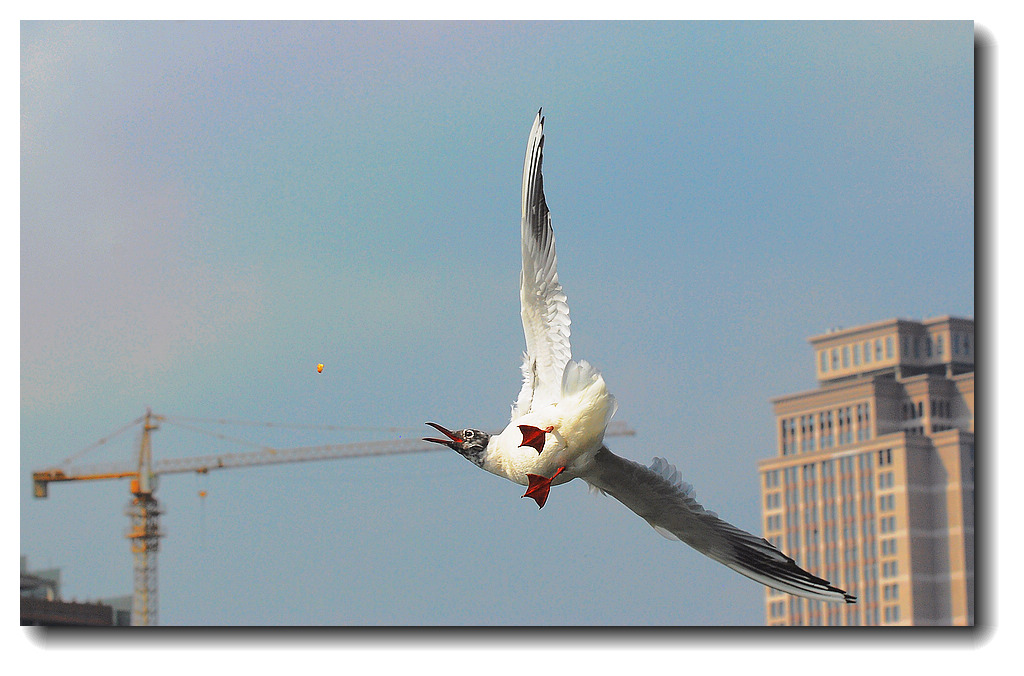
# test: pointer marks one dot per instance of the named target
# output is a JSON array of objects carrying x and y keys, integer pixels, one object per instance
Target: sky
[{"x": 209, "y": 210}]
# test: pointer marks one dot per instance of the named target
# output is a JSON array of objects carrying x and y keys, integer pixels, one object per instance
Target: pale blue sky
[{"x": 209, "y": 210}]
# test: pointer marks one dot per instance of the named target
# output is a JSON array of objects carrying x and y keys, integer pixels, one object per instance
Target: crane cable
[
  {"x": 179, "y": 422},
  {"x": 294, "y": 426},
  {"x": 96, "y": 444},
  {"x": 218, "y": 435}
]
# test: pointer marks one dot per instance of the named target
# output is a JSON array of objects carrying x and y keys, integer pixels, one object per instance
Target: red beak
[{"x": 454, "y": 438}]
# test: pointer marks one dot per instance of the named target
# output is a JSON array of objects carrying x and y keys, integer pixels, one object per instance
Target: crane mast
[
  {"x": 144, "y": 511},
  {"x": 144, "y": 532}
]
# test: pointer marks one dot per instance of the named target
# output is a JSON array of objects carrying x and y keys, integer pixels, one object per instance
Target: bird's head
[{"x": 470, "y": 443}]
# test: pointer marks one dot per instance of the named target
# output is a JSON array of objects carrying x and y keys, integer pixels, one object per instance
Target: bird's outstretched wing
[
  {"x": 657, "y": 494},
  {"x": 544, "y": 310}
]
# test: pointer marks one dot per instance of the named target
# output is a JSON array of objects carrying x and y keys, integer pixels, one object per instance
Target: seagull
[{"x": 556, "y": 432}]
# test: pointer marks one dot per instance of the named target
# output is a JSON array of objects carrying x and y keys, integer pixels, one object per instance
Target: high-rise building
[{"x": 872, "y": 486}]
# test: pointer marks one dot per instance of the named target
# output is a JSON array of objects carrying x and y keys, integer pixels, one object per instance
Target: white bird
[{"x": 556, "y": 433}]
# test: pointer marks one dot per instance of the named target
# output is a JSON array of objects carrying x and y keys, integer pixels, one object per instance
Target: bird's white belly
[{"x": 578, "y": 424}]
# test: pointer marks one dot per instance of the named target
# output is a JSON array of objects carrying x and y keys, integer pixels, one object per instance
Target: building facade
[
  {"x": 872, "y": 484},
  {"x": 42, "y": 605}
]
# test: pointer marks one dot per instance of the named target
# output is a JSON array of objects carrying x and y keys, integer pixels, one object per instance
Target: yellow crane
[{"x": 144, "y": 511}]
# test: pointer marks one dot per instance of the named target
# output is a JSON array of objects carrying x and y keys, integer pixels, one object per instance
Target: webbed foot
[
  {"x": 534, "y": 437},
  {"x": 540, "y": 486}
]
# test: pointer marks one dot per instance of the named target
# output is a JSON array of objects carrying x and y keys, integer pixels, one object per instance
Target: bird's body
[
  {"x": 556, "y": 432},
  {"x": 577, "y": 421}
]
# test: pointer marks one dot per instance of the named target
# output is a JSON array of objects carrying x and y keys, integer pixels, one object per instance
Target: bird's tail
[{"x": 580, "y": 376}]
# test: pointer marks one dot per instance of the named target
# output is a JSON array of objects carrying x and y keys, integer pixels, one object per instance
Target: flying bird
[{"x": 556, "y": 433}]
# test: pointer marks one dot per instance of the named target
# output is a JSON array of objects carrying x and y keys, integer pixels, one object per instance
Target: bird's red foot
[
  {"x": 540, "y": 487},
  {"x": 534, "y": 437}
]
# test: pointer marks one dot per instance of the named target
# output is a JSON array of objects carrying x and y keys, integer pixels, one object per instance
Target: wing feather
[
  {"x": 659, "y": 496},
  {"x": 545, "y": 313}
]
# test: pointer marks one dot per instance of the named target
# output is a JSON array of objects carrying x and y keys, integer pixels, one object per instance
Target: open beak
[{"x": 452, "y": 440}]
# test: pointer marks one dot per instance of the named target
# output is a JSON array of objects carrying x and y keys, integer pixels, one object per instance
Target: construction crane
[{"x": 144, "y": 511}]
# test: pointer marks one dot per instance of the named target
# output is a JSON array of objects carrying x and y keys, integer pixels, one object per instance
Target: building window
[
  {"x": 788, "y": 432},
  {"x": 856, "y": 354},
  {"x": 846, "y": 356},
  {"x": 888, "y": 347},
  {"x": 822, "y": 361},
  {"x": 835, "y": 358},
  {"x": 862, "y": 422},
  {"x": 878, "y": 349},
  {"x": 939, "y": 347}
]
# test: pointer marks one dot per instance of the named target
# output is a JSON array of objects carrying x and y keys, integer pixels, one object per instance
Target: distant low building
[
  {"x": 41, "y": 604},
  {"x": 872, "y": 485}
]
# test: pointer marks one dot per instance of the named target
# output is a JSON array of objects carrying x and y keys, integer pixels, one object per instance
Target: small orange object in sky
[{"x": 319, "y": 368}]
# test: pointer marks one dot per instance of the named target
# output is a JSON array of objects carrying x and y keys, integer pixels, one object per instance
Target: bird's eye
[{"x": 467, "y": 434}]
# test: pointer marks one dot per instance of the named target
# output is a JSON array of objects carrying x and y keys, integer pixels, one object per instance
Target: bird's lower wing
[{"x": 657, "y": 494}]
